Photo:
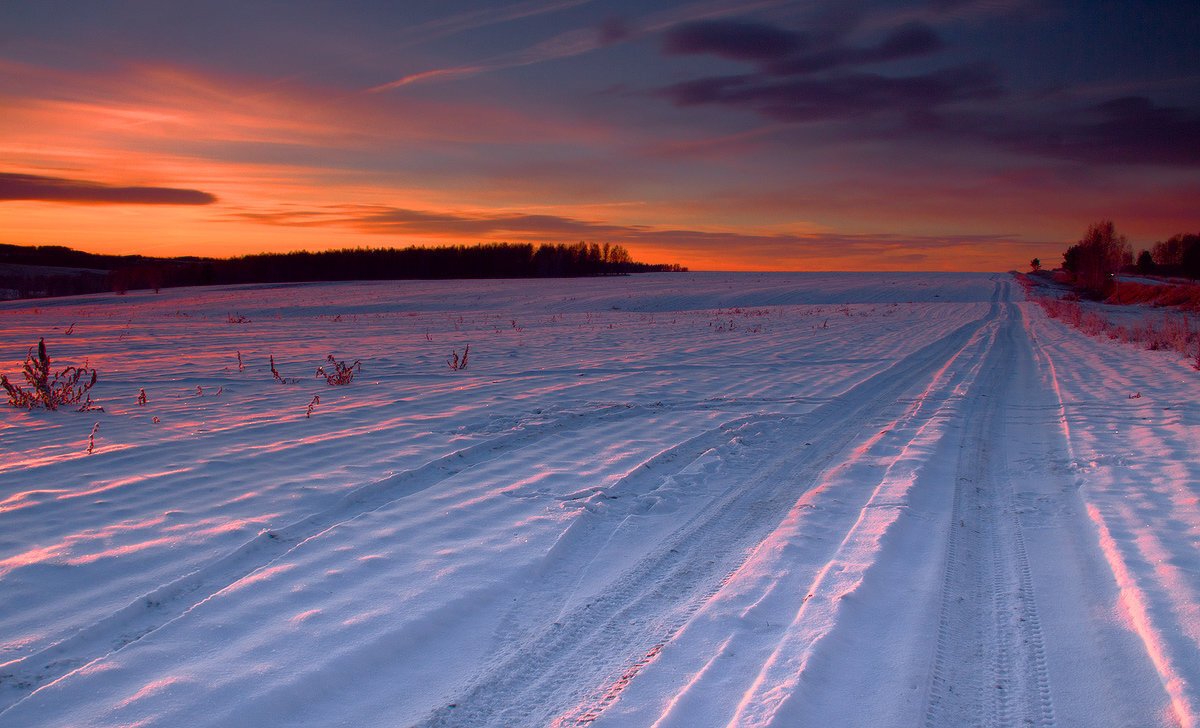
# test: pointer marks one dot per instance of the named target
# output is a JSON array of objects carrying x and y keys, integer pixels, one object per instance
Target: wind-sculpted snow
[{"x": 668, "y": 500}]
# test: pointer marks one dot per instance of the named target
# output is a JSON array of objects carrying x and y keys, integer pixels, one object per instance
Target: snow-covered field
[{"x": 658, "y": 500}]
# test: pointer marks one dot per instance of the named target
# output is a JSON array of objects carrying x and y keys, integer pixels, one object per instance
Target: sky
[{"x": 720, "y": 135}]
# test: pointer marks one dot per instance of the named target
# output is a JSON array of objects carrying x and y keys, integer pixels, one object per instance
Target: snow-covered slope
[{"x": 673, "y": 500}]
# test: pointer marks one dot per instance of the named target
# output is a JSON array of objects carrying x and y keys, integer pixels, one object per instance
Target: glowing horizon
[{"x": 709, "y": 135}]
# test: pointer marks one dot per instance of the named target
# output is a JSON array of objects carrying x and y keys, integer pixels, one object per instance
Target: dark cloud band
[
  {"x": 83, "y": 192},
  {"x": 839, "y": 97},
  {"x": 736, "y": 40}
]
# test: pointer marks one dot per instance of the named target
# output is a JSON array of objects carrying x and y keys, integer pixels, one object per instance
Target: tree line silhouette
[
  {"x": 1103, "y": 252},
  {"x": 50, "y": 270}
]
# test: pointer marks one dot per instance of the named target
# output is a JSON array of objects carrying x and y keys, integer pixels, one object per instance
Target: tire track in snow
[
  {"x": 828, "y": 577},
  {"x": 22, "y": 677},
  {"x": 1155, "y": 612},
  {"x": 572, "y": 664},
  {"x": 989, "y": 665}
]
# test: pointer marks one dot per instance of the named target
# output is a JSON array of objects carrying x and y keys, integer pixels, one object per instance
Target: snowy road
[{"x": 669, "y": 500}]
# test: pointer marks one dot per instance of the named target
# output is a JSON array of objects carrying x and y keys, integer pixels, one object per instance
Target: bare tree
[{"x": 1098, "y": 257}]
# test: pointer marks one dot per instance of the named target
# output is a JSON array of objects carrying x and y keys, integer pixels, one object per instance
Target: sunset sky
[{"x": 819, "y": 135}]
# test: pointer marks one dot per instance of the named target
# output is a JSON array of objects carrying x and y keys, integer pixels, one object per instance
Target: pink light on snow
[
  {"x": 149, "y": 689},
  {"x": 32, "y": 556},
  {"x": 17, "y": 501},
  {"x": 1134, "y": 602},
  {"x": 119, "y": 551}
]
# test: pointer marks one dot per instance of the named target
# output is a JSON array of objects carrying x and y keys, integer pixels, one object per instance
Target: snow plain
[{"x": 660, "y": 500}]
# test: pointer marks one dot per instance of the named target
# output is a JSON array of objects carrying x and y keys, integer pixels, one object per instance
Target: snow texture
[{"x": 657, "y": 500}]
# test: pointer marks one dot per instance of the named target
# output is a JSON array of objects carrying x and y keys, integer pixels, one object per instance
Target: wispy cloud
[
  {"x": 442, "y": 224},
  {"x": 563, "y": 45},
  {"x": 136, "y": 121},
  {"x": 440, "y": 74},
  {"x": 809, "y": 250},
  {"x": 472, "y": 20},
  {"x": 582, "y": 40},
  {"x": 60, "y": 189},
  {"x": 483, "y": 17}
]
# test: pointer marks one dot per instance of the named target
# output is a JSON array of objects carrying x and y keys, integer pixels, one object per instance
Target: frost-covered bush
[
  {"x": 341, "y": 374},
  {"x": 68, "y": 387}
]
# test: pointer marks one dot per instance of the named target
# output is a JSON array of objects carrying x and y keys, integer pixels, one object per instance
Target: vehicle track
[
  {"x": 568, "y": 665},
  {"x": 989, "y": 664},
  {"x": 1158, "y": 595}
]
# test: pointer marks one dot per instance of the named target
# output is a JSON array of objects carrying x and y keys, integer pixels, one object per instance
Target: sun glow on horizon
[{"x": 173, "y": 156}]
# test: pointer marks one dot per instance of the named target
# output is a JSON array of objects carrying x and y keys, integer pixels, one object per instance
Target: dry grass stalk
[
  {"x": 455, "y": 363},
  {"x": 279, "y": 378},
  {"x": 92, "y": 438},
  {"x": 68, "y": 387},
  {"x": 1179, "y": 295},
  {"x": 316, "y": 400},
  {"x": 1162, "y": 333}
]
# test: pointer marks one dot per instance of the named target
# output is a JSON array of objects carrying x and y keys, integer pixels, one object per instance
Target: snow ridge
[{"x": 20, "y": 678}]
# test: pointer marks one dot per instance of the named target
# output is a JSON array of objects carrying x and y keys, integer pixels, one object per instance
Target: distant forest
[
  {"x": 1102, "y": 253},
  {"x": 51, "y": 270}
]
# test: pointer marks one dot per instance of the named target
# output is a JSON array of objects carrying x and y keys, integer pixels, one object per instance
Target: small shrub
[
  {"x": 455, "y": 364},
  {"x": 1184, "y": 296},
  {"x": 1160, "y": 333},
  {"x": 69, "y": 387},
  {"x": 341, "y": 374}
]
